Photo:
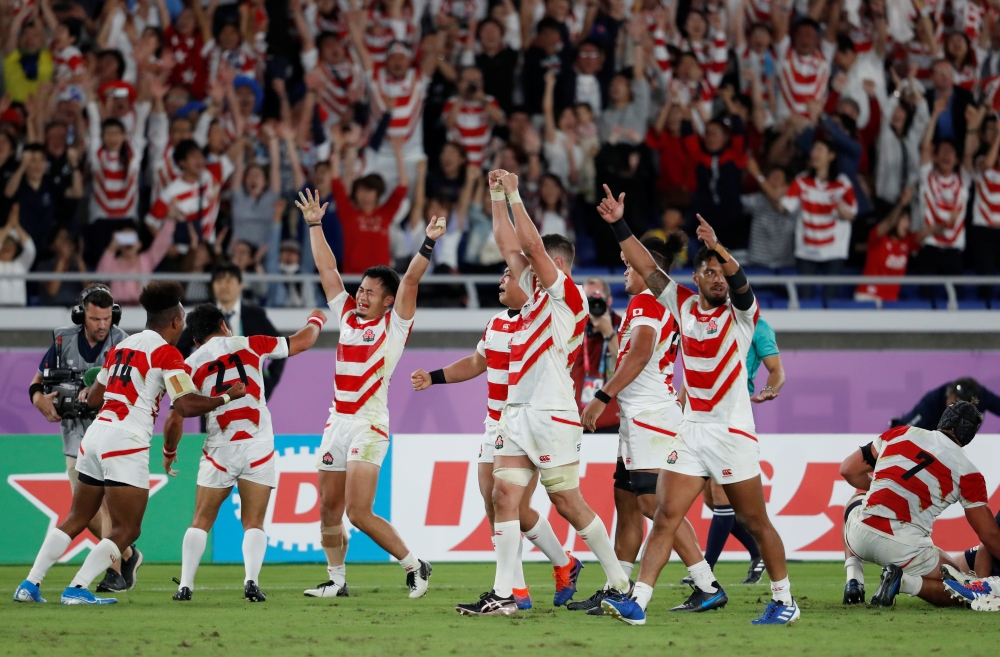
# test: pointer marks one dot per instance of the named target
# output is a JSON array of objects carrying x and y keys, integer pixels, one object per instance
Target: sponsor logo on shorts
[
  {"x": 354, "y": 451},
  {"x": 713, "y": 327},
  {"x": 544, "y": 458},
  {"x": 328, "y": 459},
  {"x": 628, "y": 461},
  {"x": 498, "y": 443},
  {"x": 727, "y": 473},
  {"x": 672, "y": 457},
  {"x": 368, "y": 336}
]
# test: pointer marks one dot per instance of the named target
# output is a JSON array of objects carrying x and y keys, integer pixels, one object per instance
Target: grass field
[{"x": 378, "y": 618}]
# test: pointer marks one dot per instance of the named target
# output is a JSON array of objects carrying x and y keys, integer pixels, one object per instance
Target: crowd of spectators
[{"x": 816, "y": 136}]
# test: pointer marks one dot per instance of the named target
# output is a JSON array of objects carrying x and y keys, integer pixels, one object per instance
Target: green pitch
[{"x": 378, "y": 618}]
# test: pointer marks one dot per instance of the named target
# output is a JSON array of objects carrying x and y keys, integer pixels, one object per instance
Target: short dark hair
[
  {"x": 665, "y": 252},
  {"x": 556, "y": 244},
  {"x": 487, "y": 21},
  {"x": 204, "y": 320},
  {"x": 372, "y": 181},
  {"x": 224, "y": 269},
  {"x": 162, "y": 300},
  {"x": 75, "y": 28},
  {"x": 548, "y": 23},
  {"x": 323, "y": 36},
  {"x": 184, "y": 149},
  {"x": 112, "y": 122},
  {"x": 845, "y": 44},
  {"x": 705, "y": 254},
  {"x": 119, "y": 59},
  {"x": 33, "y": 148},
  {"x": 101, "y": 298},
  {"x": 386, "y": 275}
]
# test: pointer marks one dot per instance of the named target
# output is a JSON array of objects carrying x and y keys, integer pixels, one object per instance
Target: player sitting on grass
[
  {"x": 374, "y": 327},
  {"x": 239, "y": 449},
  {"x": 492, "y": 356},
  {"x": 916, "y": 475},
  {"x": 114, "y": 454}
]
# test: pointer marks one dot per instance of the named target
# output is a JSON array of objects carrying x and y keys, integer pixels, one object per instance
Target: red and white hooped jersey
[
  {"x": 474, "y": 126},
  {"x": 136, "y": 373},
  {"x": 196, "y": 201},
  {"x": 404, "y": 98},
  {"x": 68, "y": 63},
  {"x": 115, "y": 186},
  {"x": 223, "y": 361},
  {"x": 367, "y": 354},
  {"x": 339, "y": 81},
  {"x": 654, "y": 387},
  {"x": 243, "y": 59},
  {"x": 548, "y": 339},
  {"x": 715, "y": 344},
  {"x": 166, "y": 170},
  {"x": 940, "y": 198},
  {"x": 758, "y": 11},
  {"x": 800, "y": 80},
  {"x": 495, "y": 348},
  {"x": 918, "y": 475},
  {"x": 986, "y": 209},
  {"x": 820, "y": 233}
]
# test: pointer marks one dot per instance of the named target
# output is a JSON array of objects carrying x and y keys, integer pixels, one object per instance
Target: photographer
[
  {"x": 596, "y": 360},
  {"x": 84, "y": 345}
]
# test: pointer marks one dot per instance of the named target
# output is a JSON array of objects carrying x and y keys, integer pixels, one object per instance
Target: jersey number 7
[{"x": 220, "y": 368}]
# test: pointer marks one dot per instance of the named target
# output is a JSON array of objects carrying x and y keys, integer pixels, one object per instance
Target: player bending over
[
  {"x": 539, "y": 427},
  {"x": 239, "y": 449},
  {"x": 717, "y": 437},
  {"x": 114, "y": 454},
  {"x": 650, "y": 414},
  {"x": 492, "y": 356},
  {"x": 916, "y": 475},
  {"x": 374, "y": 326}
]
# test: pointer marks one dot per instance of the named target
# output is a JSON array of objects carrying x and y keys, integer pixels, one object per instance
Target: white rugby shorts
[
  {"x": 110, "y": 453},
  {"x": 549, "y": 438},
  {"x": 488, "y": 443},
  {"x": 644, "y": 440},
  {"x": 351, "y": 438},
  {"x": 222, "y": 465},
  {"x": 711, "y": 449},
  {"x": 916, "y": 556}
]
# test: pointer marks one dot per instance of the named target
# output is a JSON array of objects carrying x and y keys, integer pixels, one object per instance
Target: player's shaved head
[
  {"x": 162, "y": 302},
  {"x": 205, "y": 321}
]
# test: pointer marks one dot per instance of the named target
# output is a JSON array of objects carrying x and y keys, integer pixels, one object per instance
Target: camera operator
[
  {"x": 596, "y": 362},
  {"x": 84, "y": 345}
]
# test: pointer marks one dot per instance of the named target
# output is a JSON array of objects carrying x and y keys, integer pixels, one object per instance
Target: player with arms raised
[
  {"x": 114, "y": 455},
  {"x": 239, "y": 449},
  {"x": 539, "y": 427},
  {"x": 374, "y": 327},
  {"x": 717, "y": 437}
]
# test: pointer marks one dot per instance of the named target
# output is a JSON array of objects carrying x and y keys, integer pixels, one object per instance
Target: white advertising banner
[{"x": 438, "y": 509}]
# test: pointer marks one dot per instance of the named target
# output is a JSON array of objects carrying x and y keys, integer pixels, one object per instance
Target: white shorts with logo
[
  {"x": 549, "y": 438},
  {"x": 916, "y": 556},
  {"x": 222, "y": 465},
  {"x": 488, "y": 443},
  {"x": 712, "y": 449},
  {"x": 109, "y": 453},
  {"x": 351, "y": 438},
  {"x": 644, "y": 440}
]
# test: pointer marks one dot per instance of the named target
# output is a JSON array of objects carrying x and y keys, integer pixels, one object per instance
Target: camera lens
[{"x": 598, "y": 305}]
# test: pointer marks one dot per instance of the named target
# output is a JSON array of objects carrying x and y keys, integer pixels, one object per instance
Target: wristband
[
  {"x": 602, "y": 396},
  {"x": 318, "y": 321},
  {"x": 33, "y": 388},
  {"x": 514, "y": 197},
  {"x": 426, "y": 248},
  {"x": 737, "y": 280},
  {"x": 437, "y": 377},
  {"x": 621, "y": 230},
  {"x": 169, "y": 455},
  {"x": 226, "y": 399},
  {"x": 496, "y": 194}
]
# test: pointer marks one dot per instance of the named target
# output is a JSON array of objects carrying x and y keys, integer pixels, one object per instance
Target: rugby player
[
  {"x": 492, "y": 356},
  {"x": 650, "y": 414},
  {"x": 539, "y": 428},
  {"x": 717, "y": 437},
  {"x": 114, "y": 454},
  {"x": 374, "y": 326},
  {"x": 915, "y": 475},
  {"x": 239, "y": 448}
]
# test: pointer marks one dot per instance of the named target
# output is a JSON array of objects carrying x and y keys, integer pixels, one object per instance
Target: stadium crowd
[{"x": 817, "y": 136}]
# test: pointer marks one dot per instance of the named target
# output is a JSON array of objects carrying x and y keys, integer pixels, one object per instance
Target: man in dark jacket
[
  {"x": 927, "y": 413},
  {"x": 951, "y": 124},
  {"x": 720, "y": 159}
]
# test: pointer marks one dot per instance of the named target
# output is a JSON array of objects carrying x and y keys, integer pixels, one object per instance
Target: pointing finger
[{"x": 607, "y": 190}]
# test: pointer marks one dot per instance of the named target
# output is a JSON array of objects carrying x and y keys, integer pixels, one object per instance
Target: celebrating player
[
  {"x": 114, "y": 454},
  {"x": 239, "y": 448},
  {"x": 717, "y": 437},
  {"x": 650, "y": 413},
  {"x": 374, "y": 327},
  {"x": 492, "y": 356},
  {"x": 539, "y": 427},
  {"x": 916, "y": 475}
]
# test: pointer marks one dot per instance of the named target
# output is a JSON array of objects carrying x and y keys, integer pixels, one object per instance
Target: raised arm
[
  {"x": 326, "y": 262},
  {"x": 356, "y": 24},
  {"x": 406, "y": 296},
  {"x": 527, "y": 236},
  {"x": 307, "y": 335},
  {"x": 464, "y": 369},
  {"x": 638, "y": 257},
  {"x": 927, "y": 144},
  {"x": 885, "y": 226},
  {"x": 503, "y": 230}
]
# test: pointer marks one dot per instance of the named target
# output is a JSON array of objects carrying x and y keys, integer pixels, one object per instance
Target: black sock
[
  {"x": 744, "y": 537},
  {"x": 723, "y": 520}
]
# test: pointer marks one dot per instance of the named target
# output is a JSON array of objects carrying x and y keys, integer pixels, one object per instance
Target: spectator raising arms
[{"x": 17, "y": 254}]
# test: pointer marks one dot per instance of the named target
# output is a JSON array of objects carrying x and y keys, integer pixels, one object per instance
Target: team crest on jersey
[
  {"x": 672, "y": 458},
  {"x": 498, "y": 443},
  {"x": 328, "y": 459},
  {"x": 368, "y": 336},
  {"x": 713, "y": 327}
]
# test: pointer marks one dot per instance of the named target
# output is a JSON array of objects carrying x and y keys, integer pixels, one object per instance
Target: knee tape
[
  {"x": 564, "y": 477},
  {"x": 517, "y": 476},
  {"x": 333, "y": 536},
  {"x": 622, "y": 480},
  {"x": 644, "y": 483}
]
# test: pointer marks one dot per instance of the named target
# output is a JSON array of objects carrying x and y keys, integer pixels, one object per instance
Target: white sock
[
  {"x": 55, "y": 544},
  {"x": 100, "y": 559},
  {"x": 191, "y": 550},
  {"x": 781, "y": 591},
  {"x": 855, "y": 568},
  {"x": 702, "y": 575},
  {"x": 518, "y": 581},
  {"x": 596, "y": 538},
  {"x": 543, "y": 538},
  {"x": 642, "y": 593},
  {"x": 409, "y": 562},
  {"x": 627, "y": 566},
  {"x": 911, "y": 584},
  {"x": 254, "y": 547},
  {"x": 338, "y": 574},
  {"x": 506, "y": 536}
]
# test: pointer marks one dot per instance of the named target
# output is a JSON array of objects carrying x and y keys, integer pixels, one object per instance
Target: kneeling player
[
  {"x": 239, "y": 448},
  {"x": 114, "y": 454},
  {"x": 917, "y": 474}
]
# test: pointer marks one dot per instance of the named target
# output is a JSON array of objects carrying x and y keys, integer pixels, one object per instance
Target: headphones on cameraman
[{"x": 78, "y": 314}]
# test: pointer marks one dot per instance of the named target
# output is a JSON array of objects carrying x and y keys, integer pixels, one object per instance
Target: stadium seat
[
  {"x": 778, "y": 304},
  {"x": 811, "y": 304},
  {"x": 850, "y": 304},
  {"x": 972, "y": 304},
  {"x": 908, "y": 304}
]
